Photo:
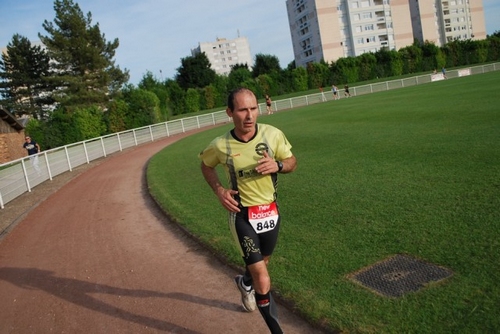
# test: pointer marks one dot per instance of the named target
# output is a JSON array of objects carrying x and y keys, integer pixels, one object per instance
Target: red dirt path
[{"x": 98, "y": 256}]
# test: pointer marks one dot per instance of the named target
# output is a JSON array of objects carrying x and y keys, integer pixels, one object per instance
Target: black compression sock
[
  {"x": 247, "y": 278},
  {"x": 267, "y": 308}
]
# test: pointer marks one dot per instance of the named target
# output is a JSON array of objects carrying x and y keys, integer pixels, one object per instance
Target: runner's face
[{"x": 244, "y": 114}]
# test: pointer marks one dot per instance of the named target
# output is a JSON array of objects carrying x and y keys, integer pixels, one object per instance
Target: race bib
[{"x": 263, "y": 218}]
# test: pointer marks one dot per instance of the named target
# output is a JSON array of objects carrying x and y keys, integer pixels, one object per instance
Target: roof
[{"x": 10, "y": 119}]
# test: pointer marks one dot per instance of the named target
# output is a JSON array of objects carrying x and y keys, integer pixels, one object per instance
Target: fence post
[
  {"x": 48, "y": 165},
  {"x": 166, "y": 127},
  {"x": 26, "y": 176},
  {"x": 151, "y": 133},
  {"x": 103, "y": 147},
  {"x": 135, "y": 137},
  {"x": 86, "y": 152},
  {"x": 119, "y": 141},
  {"x": 67, "y": 158}
]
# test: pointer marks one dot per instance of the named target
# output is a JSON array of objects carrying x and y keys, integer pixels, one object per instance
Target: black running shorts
[{"x": 253, "y": 246}]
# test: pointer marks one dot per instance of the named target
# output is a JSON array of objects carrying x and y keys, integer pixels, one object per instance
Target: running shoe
[{"x": 247, "y": 296}]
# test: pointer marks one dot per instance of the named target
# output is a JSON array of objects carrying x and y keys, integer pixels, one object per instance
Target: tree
[
  {"x": 195, "y": 72},
  {"x": 412, "y": 58},
  {"x": 84, "y": 70},
  {"x": 114, "y": 116},
  {"x": 176, "y": 97},
  {"x": 89, "y": 123},
  {"x": 152, "y": 84},
  {"x": 367, "y": 63},
  {"x": 432, "y": 56},
  {"x": 192, "y": 100},
  {"x": 266, "y": 64},
  {"x": 23, "y": 69},
  {"x": 210, "y": 96},
  {"x": 348, "y": 67},
  {"x": 317, "y": 73},
  {"x": 238, "y": 66},
  {"x": 265, "y": 85},
  {"x": 143, "y": 108},
  {"x": 59, "y": 130},
  {"x": 494, "y": 46},
  {"x": 299, "y": 76},
  {"x": 237, "y": 76}
]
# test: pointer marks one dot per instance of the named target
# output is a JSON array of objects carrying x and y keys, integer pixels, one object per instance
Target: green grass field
[{"x": 411, "y": 171}]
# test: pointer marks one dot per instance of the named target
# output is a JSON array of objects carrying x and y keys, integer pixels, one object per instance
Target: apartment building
[
  {"x": 331, "y": 29},
  {"x": 224, "y": 53},
  {"x": 444, "y": 21}
]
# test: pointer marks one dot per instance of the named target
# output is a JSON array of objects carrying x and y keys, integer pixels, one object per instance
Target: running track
[{"x": 98, "y": 256}]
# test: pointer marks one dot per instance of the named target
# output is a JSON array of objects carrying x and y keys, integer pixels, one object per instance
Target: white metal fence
[{"x": 22, "y": 175}]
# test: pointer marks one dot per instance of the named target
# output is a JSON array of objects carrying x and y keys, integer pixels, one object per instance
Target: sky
[{"x": 155, "y": 35}]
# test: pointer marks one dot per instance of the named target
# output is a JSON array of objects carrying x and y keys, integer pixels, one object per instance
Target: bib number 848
[{"x": 265, "y": 226}]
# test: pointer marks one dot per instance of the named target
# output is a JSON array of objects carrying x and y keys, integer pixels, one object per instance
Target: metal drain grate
[{"x": 398, "y": 275}]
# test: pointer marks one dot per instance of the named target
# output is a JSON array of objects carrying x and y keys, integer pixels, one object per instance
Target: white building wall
[
  {"x": 443, "y": 21},
  {"x": 225, "y": 53},
  {"x": 331, "y": 29}
]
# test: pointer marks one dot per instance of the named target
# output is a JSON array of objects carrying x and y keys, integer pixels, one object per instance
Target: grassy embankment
[{"x": 410, "y": 171}]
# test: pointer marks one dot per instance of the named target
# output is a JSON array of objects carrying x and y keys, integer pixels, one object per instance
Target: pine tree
[
  {"x": 84, "y": 69},
  {"x": 24, "y": 69},
  {"x": 195, "y": 72}
]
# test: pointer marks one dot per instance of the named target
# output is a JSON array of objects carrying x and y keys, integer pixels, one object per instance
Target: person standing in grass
[
  {"x": 443, "y": 70},
  {"x": 268, "y": 105},
  {"x": 335, "y": 91},
  {"x": 252, "y": 155},
  {"x": 346, "y": 91}
]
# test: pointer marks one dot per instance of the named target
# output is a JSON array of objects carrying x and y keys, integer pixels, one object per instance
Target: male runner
[{"x": 252, "y": 155}]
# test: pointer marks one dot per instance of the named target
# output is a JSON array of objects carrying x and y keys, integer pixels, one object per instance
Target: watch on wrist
[{"x": 280, "y": 165}]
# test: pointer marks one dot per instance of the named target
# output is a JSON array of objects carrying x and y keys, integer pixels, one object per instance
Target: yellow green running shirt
[{"x": 239, "y": 160}]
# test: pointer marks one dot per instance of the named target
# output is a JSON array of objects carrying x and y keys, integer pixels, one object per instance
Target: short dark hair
[{"x": 232, "y": 94}]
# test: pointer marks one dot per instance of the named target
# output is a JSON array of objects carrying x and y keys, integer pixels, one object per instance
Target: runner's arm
[{"x": 224, "y": 195}]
